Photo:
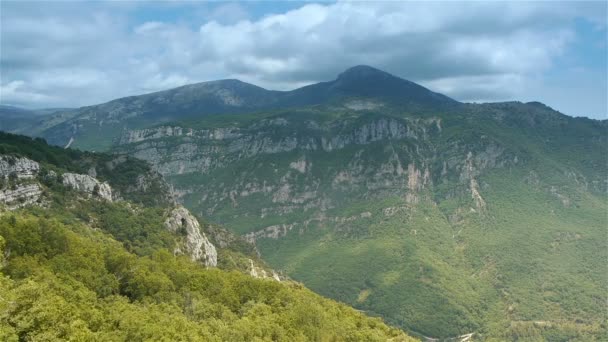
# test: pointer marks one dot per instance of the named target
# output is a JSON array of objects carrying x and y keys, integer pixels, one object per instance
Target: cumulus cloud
[{"x": 77, "y": 54}]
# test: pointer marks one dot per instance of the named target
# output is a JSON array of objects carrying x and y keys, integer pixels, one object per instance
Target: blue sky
[{"x": 65, "y": 54}]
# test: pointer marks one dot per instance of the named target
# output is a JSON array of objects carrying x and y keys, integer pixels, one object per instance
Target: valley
[{"x": 443, "y": 218}]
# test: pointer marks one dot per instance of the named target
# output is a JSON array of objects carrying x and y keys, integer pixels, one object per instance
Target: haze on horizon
[{"x": 69, "y": 54}]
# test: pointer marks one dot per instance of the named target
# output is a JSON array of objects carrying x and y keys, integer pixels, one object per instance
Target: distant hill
[
  {"x": 97, "y": 127},
  {"x": 30, "y": 121}
]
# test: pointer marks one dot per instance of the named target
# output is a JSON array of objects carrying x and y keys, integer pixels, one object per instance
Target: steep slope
[
  {"x": 444, "y": 218},
  {"x": 81, "y": 263},
  {"x": 482, "y": 220}
]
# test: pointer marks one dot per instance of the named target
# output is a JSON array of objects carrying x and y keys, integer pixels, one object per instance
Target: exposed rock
[
  {"x": 92, "y": 172},
  {"x": 416, "y": 182},
  {"x": 391, "y": 211},
  {"x": 469, "y": 173},
  {"x": 272, "y": 232},
  {"x": 202, "y": 151},
  {"x": 301, "y": 165},
  {"x": 479, "y": 201},
  {"x": 20, "y": 196},
  {"x": 562, "y": 198},
  {"x": 258, "y": 272},
  {"x": 22, "y": 168},
  {"x": 17, "y": 189},
  {"x": 532, "y": 179},
  {"x": 280, "y": 230},
  {"x": 362, "y": 104},
  {"x": 197, "y": 245},
  {"x": 88, "y": 184}
]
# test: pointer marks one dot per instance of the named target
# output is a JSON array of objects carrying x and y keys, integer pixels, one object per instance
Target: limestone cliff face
[
  {"x": 20, "y": 196},
  {"x": 17, "y": 185},
  {"x": 209, "y": 149},
  {"x": 259, "y": 272},
  {"x": 292, "y": 171},
  {"x": 87, "y": 184},
  {"x": 196, "y": 244},
  {"x": 22, "y": 168}
]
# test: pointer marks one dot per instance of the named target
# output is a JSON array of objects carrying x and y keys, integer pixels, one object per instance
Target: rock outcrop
[
  {"x": 22, "y": 168},
  {"x": 196, "y": 245},
  {"x": 87, "y": 184},
  {"x": 20, "y": 196},
  {"x": 258, "y": 272},
  {"x": 16, "y": 187}
]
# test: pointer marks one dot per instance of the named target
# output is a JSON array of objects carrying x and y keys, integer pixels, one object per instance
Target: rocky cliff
[
  {"x": 291, "y": 168},
  {"x": 196, "y": 244},
  {"x": 20, "y": 168},
  {"x": 366, "y": 206},
  {"x": 88, "y": 185},
  {"x": 17, "y": 185}
]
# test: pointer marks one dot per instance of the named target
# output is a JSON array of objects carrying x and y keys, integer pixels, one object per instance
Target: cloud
[{"x": 77, "y": 54}]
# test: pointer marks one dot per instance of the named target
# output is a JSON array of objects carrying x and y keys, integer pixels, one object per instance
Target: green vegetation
[
  {"x": 64, "y": 281},
  {"x": 85, "y": 269},
  {"x": 122, "y": 172},
  {"x": 441, "y": 217},
  {"x": 477, "y": 275},
  {"x": 525, "y": 267}
]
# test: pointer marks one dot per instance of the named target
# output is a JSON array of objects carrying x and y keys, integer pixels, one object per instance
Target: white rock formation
[
  {"x": 197, "y": 245},
  {"x": 258, "y": 272},
  {"x": 20, "y": 193},
  {"x": 20, "y": 196},
  {"x": 23, "y": 168},
  {"x": 88, "y": 184}
]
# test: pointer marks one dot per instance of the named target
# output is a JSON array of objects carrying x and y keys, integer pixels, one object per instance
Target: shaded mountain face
[
  {"x": 444, "y": 218},
  {"x": 360, "y": 87},
  {"x": 32, "y": 122},
  {"x": 15, "y": 119},
  {"x": 369, "y": 83}
]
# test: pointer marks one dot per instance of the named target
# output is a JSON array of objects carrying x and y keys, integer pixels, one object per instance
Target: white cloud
[
  {"x": 15, "y": 91},
  {"x": 77, "y": 54}
]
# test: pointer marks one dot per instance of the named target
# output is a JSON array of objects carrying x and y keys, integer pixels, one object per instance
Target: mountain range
[{"x": 443, "y": 218}]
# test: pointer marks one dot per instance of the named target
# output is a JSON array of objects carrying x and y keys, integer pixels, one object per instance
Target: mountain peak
[
  {"x": 367, "y": 81},
  {"x": 362, "y": 71}
]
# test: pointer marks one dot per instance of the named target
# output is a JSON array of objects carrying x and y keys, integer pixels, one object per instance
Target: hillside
[
  {"x": 87, "y": 258},
  {"x": 482, "y": 221},
  {"x": 443, "y": 218}
]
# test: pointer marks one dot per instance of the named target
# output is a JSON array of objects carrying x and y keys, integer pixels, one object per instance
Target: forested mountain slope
[
  {"x": 442, "y": 217},
  {"x": 480, "y": 221},
  {"x": 114, "y": 258}
]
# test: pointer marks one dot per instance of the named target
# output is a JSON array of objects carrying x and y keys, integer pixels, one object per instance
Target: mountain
[
  {"x": 356, "y": 86},
  {"x": 31, "y": 121},
  {"x": 94, "y": 248},
  {"x": 366, "y": 82},
  {"x": 481, "y": 221},
  {"x": 443, "y": 218}
]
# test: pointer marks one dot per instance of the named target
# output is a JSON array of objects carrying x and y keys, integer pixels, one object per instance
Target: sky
[{"x": 76, "y": 53}]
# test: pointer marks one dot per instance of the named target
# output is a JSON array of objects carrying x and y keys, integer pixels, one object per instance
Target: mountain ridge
[{"x": 357, "y": 88}]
